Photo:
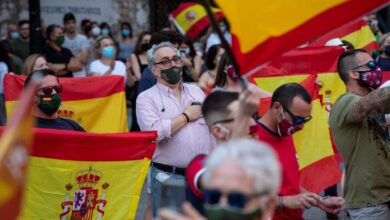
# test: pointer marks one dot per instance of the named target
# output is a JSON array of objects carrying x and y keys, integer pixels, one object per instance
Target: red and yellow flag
[
  {"x": 98, "y": 104},
  {"x": 191, "y": 18},
  {"x": 15, "y": 144},
  {"x": 357, "y": 32},
  {"x": 77, "y": 175},
  {"x": 263, "y": 30}
]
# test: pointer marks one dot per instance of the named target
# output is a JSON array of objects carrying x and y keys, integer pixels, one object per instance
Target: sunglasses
[
  {"x": 372, "y": 65},
  {"x": 48, "y": 90},
  {"x": 297, "y": 120},
  {"x": 235, "y": 200}
]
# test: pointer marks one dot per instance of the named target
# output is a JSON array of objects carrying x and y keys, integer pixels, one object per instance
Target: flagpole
[{"x": 242, "y": 82}]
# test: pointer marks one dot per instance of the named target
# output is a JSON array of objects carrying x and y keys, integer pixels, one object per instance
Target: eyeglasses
[
  {"x": 166, "y": 62},
  {"x": 297, "y": 120},
  {"x": 224, "y": 121},
  {"x": 236, "y": 200},
  {"x": 48, "y": 90},
  {"x": 371, "y": 64}
]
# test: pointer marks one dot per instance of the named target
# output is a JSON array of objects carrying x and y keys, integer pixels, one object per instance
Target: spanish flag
[
  {"x": 262, "y": 30},
  {"x": 77, "y": 175},
  {"x": 357, "y": 32},
  {"x": 15, "y": 144},
  {"x": 98, "y": 104},
  {"x": 315, "y": 69},
  {"x": 191, "y": 18}
]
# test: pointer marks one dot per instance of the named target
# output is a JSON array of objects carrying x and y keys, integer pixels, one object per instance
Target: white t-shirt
[
  {"x": 213, "y": 39},
  {"x": 76, "y": 45},
  {"x": 3, "y": 71},
  {"x": 100, "y": 68}
]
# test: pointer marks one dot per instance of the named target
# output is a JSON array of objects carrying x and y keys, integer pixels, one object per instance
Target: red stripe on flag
[
  {"x": 372, "y": 46},
  {"x": 199, "y": 26},
  {"x": 340, "y": 32},
  {"x": 83, "y": 146},
  {"x": 274, "y": 46},
  {"x": 182, "y": 7},
  {"x": 303, "y": 61},
  {"x": 327, "y": 172},
  {"x": 73, "y": 88}
]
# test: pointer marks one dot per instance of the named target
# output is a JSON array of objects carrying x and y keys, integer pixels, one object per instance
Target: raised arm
[{"x": 375, "y": 100}]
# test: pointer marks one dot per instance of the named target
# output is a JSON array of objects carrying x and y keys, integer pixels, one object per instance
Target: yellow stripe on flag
[
  {"x": 100, "y": 115},
  {"x": 313, "y": 143},
  {"x": 255, "y": 30},
  {"x": 328, "y": 81},
  {"x": 360, "y": 38},
  {"x": 122, "y": 181}
]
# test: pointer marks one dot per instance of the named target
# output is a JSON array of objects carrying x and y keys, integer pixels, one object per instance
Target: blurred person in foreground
[{"x": 242, "y": 181}]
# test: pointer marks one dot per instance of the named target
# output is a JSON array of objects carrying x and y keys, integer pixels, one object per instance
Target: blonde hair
[{"x": 30, "y": 62}]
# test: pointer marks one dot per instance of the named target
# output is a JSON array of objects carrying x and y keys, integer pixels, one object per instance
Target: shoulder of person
[
  {"x": 76, "y": 126},
  {"x": 149, "y": 93},
  {"x": 194, "y": 88}
]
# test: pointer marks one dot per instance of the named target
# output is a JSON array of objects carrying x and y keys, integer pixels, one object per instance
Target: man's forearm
[{"x": 375, "y": 100}]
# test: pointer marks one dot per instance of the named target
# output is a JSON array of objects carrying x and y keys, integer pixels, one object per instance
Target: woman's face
[
  {"x": 146, "y": 39},
  {"x": 40, "y": 63}
]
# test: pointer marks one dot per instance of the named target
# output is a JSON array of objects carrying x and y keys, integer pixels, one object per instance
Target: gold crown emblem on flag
[
  {"x": 190, "y": 16},
  {"x": 88, "y": 178}
]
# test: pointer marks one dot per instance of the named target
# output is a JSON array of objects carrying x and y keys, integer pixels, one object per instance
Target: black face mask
[
  {"x": 171, "y": 75},
  {"x": 145, "y": 46},
  {"x": 387, "y": 50}
]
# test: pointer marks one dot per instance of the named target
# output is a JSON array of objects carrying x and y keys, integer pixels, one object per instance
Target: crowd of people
[{"x": 236, "y": 165}]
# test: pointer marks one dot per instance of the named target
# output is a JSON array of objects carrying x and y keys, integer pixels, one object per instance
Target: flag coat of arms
[{"x": 98, "y": 104}]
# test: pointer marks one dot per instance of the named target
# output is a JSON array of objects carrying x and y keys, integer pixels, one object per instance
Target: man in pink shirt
[{"x": 173, "y": 109}]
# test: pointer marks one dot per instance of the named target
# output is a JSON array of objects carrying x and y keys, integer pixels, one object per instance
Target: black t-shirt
[
  {"x": 61, "y": 57},
  {"x": 59, "y": 123}
]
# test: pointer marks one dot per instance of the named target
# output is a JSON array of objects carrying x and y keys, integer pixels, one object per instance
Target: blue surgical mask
[
  {"x": 108, "y": 52},
  {"x": 126, "y": 32},
  {"x": 96, "y": 31},
  {"x": 14, "y": 35},
  {"x": 105, "y": 31}
]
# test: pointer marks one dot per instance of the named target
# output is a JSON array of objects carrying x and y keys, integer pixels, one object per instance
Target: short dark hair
[
  {"x": 44, "y": 72},
  {"x": 211, "y": 54},
  {"x": 50, "y": 29},
  {"x": 346, "y": 62},
  {"x": 23, "y": 22},
  {"x": 173, "y": 37},
  {"x": 215, "y": 106},
  {"x": 69, "y": 17},
  {"x": 285, "y": 94}
]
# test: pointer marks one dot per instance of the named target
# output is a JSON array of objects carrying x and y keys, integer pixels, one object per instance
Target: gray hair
[
  {"x": 152, "y": 51},
  {"x": 256, "y": 158}
]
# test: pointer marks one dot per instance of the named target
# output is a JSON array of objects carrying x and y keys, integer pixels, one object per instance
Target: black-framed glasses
[
  {"x": 297, "y": 120},
  {"x": 372, "y": 65},
  {"x": 166, "y": 62},
  {"x": 236, "y": 200},
  {"x": 48, "y": 90},
  {"x": 224, "y": 121}
]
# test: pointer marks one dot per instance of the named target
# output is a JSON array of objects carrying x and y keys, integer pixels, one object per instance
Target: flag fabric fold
[
  {"x": 263, "y": 30},
  {"x": 356, "y": 32},
  {"x": 98, "y": 104}
]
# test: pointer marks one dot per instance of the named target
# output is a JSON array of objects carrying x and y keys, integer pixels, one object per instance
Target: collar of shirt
[{"x": 165, "y": 90}]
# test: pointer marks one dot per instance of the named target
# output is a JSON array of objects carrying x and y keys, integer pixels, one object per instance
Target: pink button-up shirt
[{"x": 155, "y": 109}]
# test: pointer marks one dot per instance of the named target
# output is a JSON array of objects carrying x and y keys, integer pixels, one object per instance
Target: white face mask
[{"x": 96, "y": 31}]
